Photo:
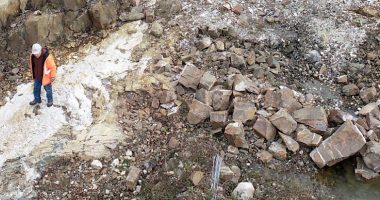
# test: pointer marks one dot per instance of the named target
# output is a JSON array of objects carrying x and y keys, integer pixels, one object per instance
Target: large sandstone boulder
[
  {"x": 198, "y": 112},
  {"x": 234, "y": 132},
  {"x": 244, "y": 111},
  {"x": 103, "y": 15},
  {"x": 371, "y": 156},
  {"x": 315, "y": 117},
  {"x": 191, "y": 76},
  {"x": 283, "y": 122},
  {"x": 44, "y": 28},
  {"x": 345, "y": 142},
  {"x": 263, "y": 127}
]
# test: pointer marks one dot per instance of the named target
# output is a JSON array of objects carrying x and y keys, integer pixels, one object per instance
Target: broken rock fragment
[
  {"x": 133, "y": 177},
  {"x": 315, "y": 117},
  {"x": 290, "y": 143},
  {"x": 235, "y": 134},
  {"x": 221, "y": 99},
  {"x": 283, "y": 122},
  {"x": 191, "y": 76},
  {"x": 265, "y": 128},
  {"x": 244, "y": 111},
  {"x": 309, "y": 138},
  {"x": 278, "y": 150},
  {"x": 371, "y": 156},
  {"x": 218, "y": 119},
  {"x": 198, "y": 112},
  {"x": 207, "y": 81}
]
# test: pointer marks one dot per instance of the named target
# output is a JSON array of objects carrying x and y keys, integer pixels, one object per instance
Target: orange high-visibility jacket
[{"x": 49, "y": 70}]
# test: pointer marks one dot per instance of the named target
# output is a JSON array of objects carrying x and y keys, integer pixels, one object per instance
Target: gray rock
[
  {"x": 350, "y": 90},
  {"x": 244, "y": 191},
  {"x": 263, "y": 127},
  {"x": 371, "y": 156},
  {"x": 284, "y": 122},
  {"x": 345, "y": 142},
  {"x": 264, "y": 156},
  {"x": 204, "y": 96},
  {"x": 356, "y": 67},
  {"x": 44, "y": 28},
  {"x": 234, "y": 132},
  {"x": 314, "y": 117},
  {"x": 242, "y": 83},
  {"x": 198, "y": 112},
  {"x": 132, "y": 16},
  {"x": 204, "y": 43},
  {"x": 342, "y": 79},
  {"x": 373, "y": 119},
  {"x": 191, "y": 76},
  {"x": 157, "y": 29},
  {"x": 244, "y": 111},
  {"x": 74, "y": 5},
  {"x": 368, "y": 108},
  {"x": 103, "y": 15},
  {"x": 221, "y": 99},
  {"x": 313, "y": 56},
  {"x": 226, "y": 174},
  {"x": 219, "y": 45},
  {"x": 237, "y": 61},
  {"x": 132, "y": 178}
]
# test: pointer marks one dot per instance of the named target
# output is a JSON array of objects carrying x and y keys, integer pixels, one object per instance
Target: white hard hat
[{"x": 36, "y": 49}]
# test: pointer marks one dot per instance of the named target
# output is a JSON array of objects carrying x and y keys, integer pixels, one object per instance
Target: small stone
[
  {"x": 284, "y": 122},
  {"x": 244, "y": 111},
  {"x": 233, "y": 150},
  {"x": 196, "y": 177},
  {"x": 314, "y": 117},
  {"x": 157, "y": 29},
  {"x": 204, "y": 96},
  {"x": 313, "y": 56},
  {"x": 226, "y": 174},
  {"x": 173, "y": 143},
  {"x": 198, "y": 112},
  {"x": 251, "y": 58},
  {"x": 342, "y": 79},
  {"x": 96, "y": 164},
  {"x": 265, "y": 128},
  {"x": 371, "y": 156},
  {"x": 264, "y": 156},
  {"x": 237, "y": 61},
  {"x": 219, "y": 46},
  {"x": 371, "y": 56},
  {"x": 236, "y": 9},
  {"x": 149, "y": 15},
  {"x": 204, "y": 43},
  {"x": 132, "y": 178},
  {"x": 115, "y": 163},
  {"x": 244, "y": 191},
  {"x": 278, "y": 150},
  {"x": 221, "y": 99},
  {"x": 350, "y": 90},
  {"x": 191, "y": 76},
  {"x": 237, "y": 173},
  {"x": 307, "y": 137}
]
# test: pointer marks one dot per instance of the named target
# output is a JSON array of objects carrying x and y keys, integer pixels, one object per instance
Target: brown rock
[
  {"x": 309, "y": 138},
  {"x": 278, "y": 150},
  {"x": 226, "y": 174},
  {"x": 234, "y": 132},
  {"x": 368, "y": 108},
  {"x": 244, "y": 111},
  {"x": 218, "y": 119},
  {"x": 373, "y": 119},
  {"x": 149, "y": 15},
  {"x": 371, "y": 156},
  {"x": 272, "y": 99},
  {"x": 236, "y": 9},
  {"x": 103, "y": 15},
  {"x": 338, "y": 117},
  {"x": 362, "y": 122},
  {"x": 345, "y": 142},
  {"x": 263, "y": 127},
  {"x": 167, "y": 96},
  {"x": 173, "y": 143},
  {"x": 132, "y": 178},
  {"x": 196, "y": 177},
  {"x": 237, "y": 174},
  {"x": 350, "y": 90},
  {"x": 242, "y": 83},
  {"x": 371, "y": 56},
  {"x": 74, "y": 5},
  {"x": 219, "y": 45},
  {"x": 283, "y": 122},
  {"x": 191, "y": 76},
  {"x": 198, "y": 112},
  {"x": 372, "y": 136},
  {"x": 251, "y": 58},
  {"x": 315, "y": 117},
  {"x": 288, "y": 100},
  {"x": 291, "y": 144},
  {"x": 207, "y": 81},
  {"x": 342, "y": 79},
  {"x": 204, "y": 96},
  {"x": 221, "y": 99},
  {"x": 368, "y": 94},
  {"x": 204, "y": 43},
  {"x": 264, "y": 156}
]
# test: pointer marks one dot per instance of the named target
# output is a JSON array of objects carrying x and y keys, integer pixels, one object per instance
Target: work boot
[
  {"x": 49, "y": 104},
  {"x": 34, "y": 102}
]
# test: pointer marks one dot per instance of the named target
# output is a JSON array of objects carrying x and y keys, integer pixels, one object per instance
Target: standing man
[{"x": 43, "y": 70}]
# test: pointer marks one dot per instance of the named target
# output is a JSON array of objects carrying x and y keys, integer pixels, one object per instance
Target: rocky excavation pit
[{"x": 278, "y": 89}]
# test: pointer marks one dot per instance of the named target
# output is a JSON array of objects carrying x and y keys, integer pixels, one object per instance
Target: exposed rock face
[
  {"x": 314, "y": 117},
  {"x": 290, "y": 143},
  {"x": 43, "y": 28},
  {"x": 103, "y": 15},
  {"x": 10, "y": 8},
  {"x": 74, "y": 5},
  {"x": 235, "y": 134},
  {"x": 263, "y": 127},
  {"x": 191, "y": 76},
  {"x": 198, "y": 112},
  {"x": 283, "y": 122},
  {"x": 345, "y": 142},
  {"x": 371, "y": 156}
]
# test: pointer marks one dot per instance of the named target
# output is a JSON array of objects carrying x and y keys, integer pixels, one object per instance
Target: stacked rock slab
[
  {"x": 345, "y": 142},
  {"x": 314, "y": 117}
]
